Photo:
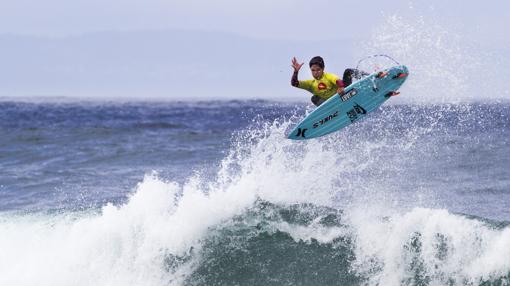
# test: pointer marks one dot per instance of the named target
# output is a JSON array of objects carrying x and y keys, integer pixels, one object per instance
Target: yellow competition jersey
[{"x": 323, "y": 88}]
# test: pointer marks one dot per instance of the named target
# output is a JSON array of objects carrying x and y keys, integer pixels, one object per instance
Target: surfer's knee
[
  {"x": 347, "y": 78},
  {"x": 351, "y": 74},
  {"x": 349, "y": 71}
]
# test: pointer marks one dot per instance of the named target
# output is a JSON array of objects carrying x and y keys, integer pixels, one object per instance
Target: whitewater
[{"x": 137, "y": 193}]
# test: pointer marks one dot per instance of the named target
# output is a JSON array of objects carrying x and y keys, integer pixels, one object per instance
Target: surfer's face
[{"x": 316, "y": 71}]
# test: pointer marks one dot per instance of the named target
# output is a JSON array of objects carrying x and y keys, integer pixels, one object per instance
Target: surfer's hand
[
  {"x": 340, "y": 90},
  {"x": 297, "y": 66}
]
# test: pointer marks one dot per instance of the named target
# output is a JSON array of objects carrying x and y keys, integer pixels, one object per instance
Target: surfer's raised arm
[
  {"x": 323, "y": 85},
  {"x": 297, "y": 66}
]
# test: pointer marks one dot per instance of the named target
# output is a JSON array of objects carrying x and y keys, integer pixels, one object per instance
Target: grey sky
[
  {"x": 284, "y": 19},
  {"x": 148, "y": 47}
]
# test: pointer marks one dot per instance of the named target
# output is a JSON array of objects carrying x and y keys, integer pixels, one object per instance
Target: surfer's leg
[
  {"x": 347, "y": 78},
  {"x": 317, "y": 100},
  {"x": 349, "y": 74}
]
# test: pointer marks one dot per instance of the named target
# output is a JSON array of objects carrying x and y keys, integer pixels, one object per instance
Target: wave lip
[{"x": 167, "y": 234}]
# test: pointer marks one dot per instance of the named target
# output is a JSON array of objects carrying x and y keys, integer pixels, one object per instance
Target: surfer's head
[{"x": 317, "y": 67}]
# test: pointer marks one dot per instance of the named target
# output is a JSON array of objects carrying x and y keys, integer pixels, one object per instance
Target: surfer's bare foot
[{"x": 382, "y": 74}]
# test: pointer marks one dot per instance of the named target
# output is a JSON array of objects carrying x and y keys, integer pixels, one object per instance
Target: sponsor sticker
[{"x": 348, "y": 95}]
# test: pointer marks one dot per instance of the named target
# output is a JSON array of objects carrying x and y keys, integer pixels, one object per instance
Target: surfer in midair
[{"x": 323, "y": 85}]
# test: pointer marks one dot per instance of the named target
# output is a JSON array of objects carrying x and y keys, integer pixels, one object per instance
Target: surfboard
[{"x": 359, "y": 99}]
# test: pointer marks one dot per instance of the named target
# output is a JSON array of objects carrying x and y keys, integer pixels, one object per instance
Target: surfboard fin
[
  {"x": 392, "y": 93},
  {"x": 400, "y": 75}
]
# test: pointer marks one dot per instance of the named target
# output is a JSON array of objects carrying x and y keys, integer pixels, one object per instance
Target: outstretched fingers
[{"x": 296, "y": 65}]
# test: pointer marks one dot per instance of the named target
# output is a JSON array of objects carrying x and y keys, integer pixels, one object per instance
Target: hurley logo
[{"x": 322, "y": 86}]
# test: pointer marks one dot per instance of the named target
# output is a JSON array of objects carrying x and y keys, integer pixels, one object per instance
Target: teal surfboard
[{"x": 359, "y": 99}]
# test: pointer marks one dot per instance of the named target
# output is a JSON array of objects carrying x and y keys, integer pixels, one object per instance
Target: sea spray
[
  {"x": 427, "y": 246},
  {"x": 444, "y": 66}
]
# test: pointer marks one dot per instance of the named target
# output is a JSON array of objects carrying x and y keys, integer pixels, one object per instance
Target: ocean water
[{"x": 211, "y": 193}]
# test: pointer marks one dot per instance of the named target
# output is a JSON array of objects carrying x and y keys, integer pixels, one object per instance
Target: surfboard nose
[{"x": 404, "y": 69}]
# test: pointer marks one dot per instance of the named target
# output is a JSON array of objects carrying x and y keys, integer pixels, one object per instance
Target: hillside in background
[{"x": 169, "y": 64}]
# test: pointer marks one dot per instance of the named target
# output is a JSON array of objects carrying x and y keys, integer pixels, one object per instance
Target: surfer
[{"x": 323, "y": 85}]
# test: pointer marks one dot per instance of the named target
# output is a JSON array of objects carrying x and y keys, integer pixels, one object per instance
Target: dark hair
[{"x": 317, "y": 61}]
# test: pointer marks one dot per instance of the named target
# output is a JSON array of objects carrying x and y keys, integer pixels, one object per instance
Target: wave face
[{"x": 412, "y": 195}]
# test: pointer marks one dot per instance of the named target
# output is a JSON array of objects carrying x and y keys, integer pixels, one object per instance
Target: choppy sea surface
[{"x": 211, "y": 193}]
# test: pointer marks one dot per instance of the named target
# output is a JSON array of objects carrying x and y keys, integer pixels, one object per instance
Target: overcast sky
[
  {"x": 433, "y": 37},
  {"x": 283, "y": 19}
]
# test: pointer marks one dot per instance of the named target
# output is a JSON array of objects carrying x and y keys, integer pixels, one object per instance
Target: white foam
[
  {"x": 123, "y": 245},
  {"x": 452, "y": 247},
  {"x": 127, "y": 244},
  {"x": 314, "y": 231}
]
